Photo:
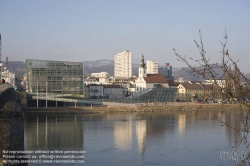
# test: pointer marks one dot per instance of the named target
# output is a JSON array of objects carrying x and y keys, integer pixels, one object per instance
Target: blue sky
[{"x": 82, "y": 30}]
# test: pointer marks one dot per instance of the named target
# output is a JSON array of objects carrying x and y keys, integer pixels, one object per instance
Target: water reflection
[
  {"x": 51, "y": 132},
  {"x": 46, "y": 134},
  {"x": 181, "y": 123},
  {"x": 233, "y": 120},
  {"x": 141, "y": 127},
  {"x": 11, "y": 133},
  {"x": 123, "y": 133},
  {"x": 137, "y": 138},
  {"x": 37, "y": 132}
]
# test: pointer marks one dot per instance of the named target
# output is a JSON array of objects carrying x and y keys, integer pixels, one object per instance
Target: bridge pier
[{"x": 11, "y": 123}]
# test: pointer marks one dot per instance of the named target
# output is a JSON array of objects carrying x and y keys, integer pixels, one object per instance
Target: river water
[{"x": 169, "y": 138}]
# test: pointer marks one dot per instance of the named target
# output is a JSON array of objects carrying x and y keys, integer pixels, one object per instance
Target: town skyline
[{"x": 91, "y": 30}]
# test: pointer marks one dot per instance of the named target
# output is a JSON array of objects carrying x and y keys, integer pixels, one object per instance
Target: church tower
[{"x": 142, "y": 68}]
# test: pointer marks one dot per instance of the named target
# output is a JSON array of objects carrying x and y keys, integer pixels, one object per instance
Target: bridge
[
  {"x": 11, "y": 126},
  {"x": 7, "y": 94}
]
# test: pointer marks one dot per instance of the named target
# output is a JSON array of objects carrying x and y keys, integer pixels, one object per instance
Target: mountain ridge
[{"x": 104, "y": 65}]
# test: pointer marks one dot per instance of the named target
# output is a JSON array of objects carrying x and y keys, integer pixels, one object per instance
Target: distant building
[
  {"x": 95, "y": 91},
  {"x": 24, "y": 81},
  {"x": 196, "y": 91},
  {"x": 166, "y": 70},
  {"x": 8, "y": 76},
  {"x": 190, "y": 92},
  {"x": 220, "y": 82},
  {"x": 127, "y": 84},
  {"x": 123, "y": 65},
  {"x": 100, "y": 75},
  {"x": 113, "y": 91},
  {"x": 212, "y": 92},
  {"x": 129, "y": 88},
  {"x": 86, "y": 91},
  {"x": 118, "y": 80},
  {"x": 181, "y": 80},
  {"x": 152, "y": 67},
  {"x": 97, "y": 78},
  {"x": 152, "y": 87},
  {"x": 91, "y": 80},
  {"x": 146, "y": 81},
  {"x": 195, "y": 82},
  {"x": 99, "y": 91}
]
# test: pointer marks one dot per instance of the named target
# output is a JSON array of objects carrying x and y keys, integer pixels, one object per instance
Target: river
[{"x": 165, "y": 138}]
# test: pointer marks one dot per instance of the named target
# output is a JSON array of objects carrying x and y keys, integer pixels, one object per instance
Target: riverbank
[{"x": 121, "y": 107}]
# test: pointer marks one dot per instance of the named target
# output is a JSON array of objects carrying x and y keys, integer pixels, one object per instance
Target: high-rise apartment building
[
  {"x": 152, "y": 67},
  {"x": 123, "y": 65}
]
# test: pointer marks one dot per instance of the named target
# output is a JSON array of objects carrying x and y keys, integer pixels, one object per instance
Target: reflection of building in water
[
  {"x": 234, "y": 122},
  {"x": 182, "y": 123},
  {"x": 147, "y": 127},
  {"x": 159, "y": 125},
  {"x": 54, "y": 133},
  {"x": 123, "y": 134},
  {"x": 141, "y": 135}
]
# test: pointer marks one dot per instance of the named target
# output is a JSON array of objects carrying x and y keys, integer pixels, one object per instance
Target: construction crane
[{"x": 7, "y": 63}]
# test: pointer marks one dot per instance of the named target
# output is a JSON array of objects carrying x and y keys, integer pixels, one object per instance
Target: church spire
[
  {"x": 143, "y": 65},
  {"x": 142, "y": 69}
]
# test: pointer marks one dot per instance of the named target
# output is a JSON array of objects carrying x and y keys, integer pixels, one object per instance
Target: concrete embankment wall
[{"x": 120, "y": 107}]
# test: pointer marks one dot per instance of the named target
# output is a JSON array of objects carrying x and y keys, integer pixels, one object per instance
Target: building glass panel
[{"x": 61, "y": 77}]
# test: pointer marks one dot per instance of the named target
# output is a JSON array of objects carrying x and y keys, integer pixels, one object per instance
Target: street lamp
[{"x": 170, "y": 97}]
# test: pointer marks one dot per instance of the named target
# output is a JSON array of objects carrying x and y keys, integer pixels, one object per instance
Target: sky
[{"x": 83, "y": 30}]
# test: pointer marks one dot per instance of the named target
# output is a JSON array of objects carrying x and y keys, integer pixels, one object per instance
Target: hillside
[
  {"x": 177, "y": 72},
  {"x": 106, "y": 65}
]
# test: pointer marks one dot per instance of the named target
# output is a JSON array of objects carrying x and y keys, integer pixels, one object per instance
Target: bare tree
[{"x": 236, "y": 89}]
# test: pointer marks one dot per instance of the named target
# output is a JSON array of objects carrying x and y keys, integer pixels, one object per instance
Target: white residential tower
[
  {"x": 123, "y": 65},
  {"x": 152, "y": 67}
]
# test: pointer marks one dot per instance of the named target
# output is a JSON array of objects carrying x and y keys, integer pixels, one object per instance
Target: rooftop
[{"x": 155, "y": 78}]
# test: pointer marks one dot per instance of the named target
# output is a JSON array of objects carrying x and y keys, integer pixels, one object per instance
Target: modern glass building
[
  {"x": 166, "y": 70},
  {"x": 57, "y": 78},
  {"x": 61, "y": 77}
]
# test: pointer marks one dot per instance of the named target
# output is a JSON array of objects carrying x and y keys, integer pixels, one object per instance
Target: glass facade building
[
  {"x": 58, "y": 77},
  {"x": 166, "y": 70},
  {"x": 157, "y": 95},
  {"x": 150, "y": 95}
]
